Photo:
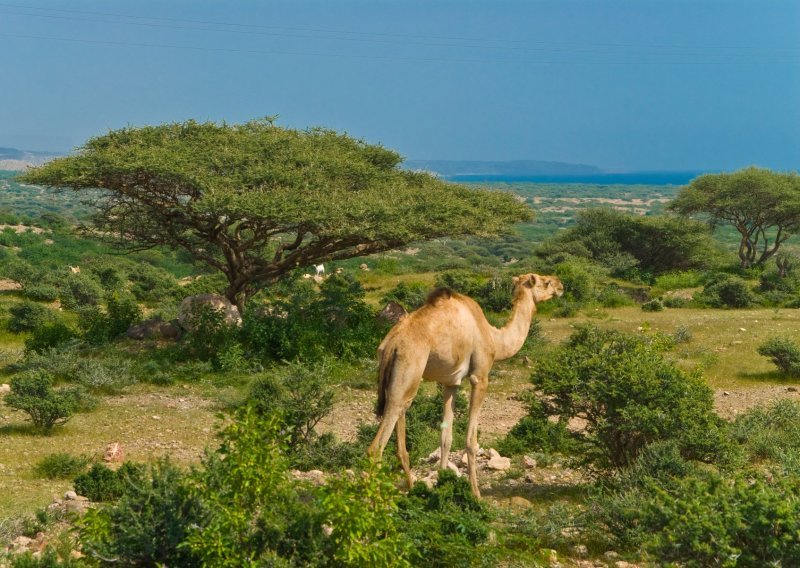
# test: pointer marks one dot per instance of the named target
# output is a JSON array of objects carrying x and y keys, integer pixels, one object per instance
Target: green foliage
[
  {"x": 60, "y": 466},
  {"x": 211, "y": 338},
  {"x": 494, "y": 293},
  {"x": 784, "y": 353},
  {"x": 255, "y": 516},
  {"x": 299, "y": 396},
  {"x": 679, "y": 280},
  {"x": 630, "y": 395},
  {"x": 79, "y": 290},
  {"x": 48, "y": 559},
  {"x": 302, "y": 323},
  {"x": 634, "y": 246},
  {"x": 763, "y": 206},
  {"x": 100, "y": 327},
  {"x": 771, "y": 434},
  {"x": 534, "y": 432},
  {"x": 33, "y": 394},
  {"x": 727, "y": 291},
  {"x": 103, "y": 484},
  {"x": 654, "y": 305},
  {"x": 27, "y": 316},
  {"x": 410, "y": 295},
  {"x": 145, "y": 526},
  {"x": 152, "y": 284},
  {"x": 41, "y": 292},
  {"x": 279, "y": 196},
  {"x": 48, "y": 336}
]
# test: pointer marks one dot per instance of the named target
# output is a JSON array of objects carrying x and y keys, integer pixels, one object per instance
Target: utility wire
[{"x": 243, "y": 27}]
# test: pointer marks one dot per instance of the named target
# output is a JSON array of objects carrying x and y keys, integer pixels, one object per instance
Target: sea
[{"x": 624, "y": 178}]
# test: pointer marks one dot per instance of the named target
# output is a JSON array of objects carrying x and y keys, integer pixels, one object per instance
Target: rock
[
  {"x": 221, "y": 304},
  {"x": 154, "y": 329},
  {"x": 20, "y": 543},
  {"x": 550, "y": 556},
  {"x": 742, "y": 329},
  {"x": 431, "y": 479},
  {"x": 454, "y": 468},
  {"x": 114, "y": 453},
  {"x": 465, "y": 459},
  {"x": 327, "y": 530},
  {"x": 791, "y": 389},
  {"x": 5, "y": 388},
  {"x": 75, "y": 506},
  {"x": 314, "y": 476},
  {"x": 518, "y": 502},
  {"x": 726, "y": 393},
  {"x": 70, "y": 496},
  {"x": 611, "y": 554},
  {"x": 392, "y": 313},
  {"x": 529, "y": 462},
  {"x": 363, "y": 266},
  {"x": 580, "y": 550},
  {"x": 499, "y": 464},
  {"x": 434, "y": 456},
  {"x": 493, "y": 453},
  {"x": 622, "y": 564},
  {"x": 318, "y": 278}
]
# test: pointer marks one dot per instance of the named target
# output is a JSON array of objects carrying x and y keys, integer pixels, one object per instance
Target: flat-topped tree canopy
[{"x": 256, "y": 200}]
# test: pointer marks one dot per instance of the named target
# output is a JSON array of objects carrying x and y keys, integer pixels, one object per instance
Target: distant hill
[
  {"x": 14, "y": 159},
  {"x": 450, "y": 168}
]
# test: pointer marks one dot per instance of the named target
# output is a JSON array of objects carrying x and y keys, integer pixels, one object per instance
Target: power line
[
  {"x": 370, "y": 57},
  {"x": 243, "y": 27}
]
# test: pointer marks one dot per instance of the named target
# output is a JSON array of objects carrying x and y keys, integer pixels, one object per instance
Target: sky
[{"x": 622, "y": 85}]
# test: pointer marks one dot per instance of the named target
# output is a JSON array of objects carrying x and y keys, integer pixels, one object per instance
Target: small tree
[
  {"x": 763, "y": 206},
  {"x": 33, "y": 394},
  {"x": 255, "y": 201},
  {"x": 784, "y": 353}
]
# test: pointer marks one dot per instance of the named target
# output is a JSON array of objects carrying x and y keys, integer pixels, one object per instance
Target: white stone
[
  {"x": 454, "y": 468},
  {"x": 493, "y": 453},
  {"x": 5, "y": 388},
  {"x": 529, "y": 462},
  {"x": 70, "y": 495},
  {"x": 499, "y": 463},
  {"x": 434, "y": 456}
]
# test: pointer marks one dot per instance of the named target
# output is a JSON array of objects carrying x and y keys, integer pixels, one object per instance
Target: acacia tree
[
  {"x": 762, "y": 205},
  {"x": 256, "y": 200}
]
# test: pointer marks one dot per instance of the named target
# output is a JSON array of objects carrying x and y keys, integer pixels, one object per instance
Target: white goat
[{"x": 320, "y": 268}]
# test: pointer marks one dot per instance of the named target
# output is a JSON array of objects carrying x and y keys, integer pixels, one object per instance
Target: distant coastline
[{"x": 625, "y": 178}]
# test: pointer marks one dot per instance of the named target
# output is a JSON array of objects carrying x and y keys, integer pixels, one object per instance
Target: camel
[{"x": 446, "y": 340}]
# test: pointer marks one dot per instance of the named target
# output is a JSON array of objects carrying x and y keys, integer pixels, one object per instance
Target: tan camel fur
[{"x": 446, "y": 340}]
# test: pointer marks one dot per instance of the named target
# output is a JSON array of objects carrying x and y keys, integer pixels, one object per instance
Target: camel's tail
[{"x": 385, "y": 373}]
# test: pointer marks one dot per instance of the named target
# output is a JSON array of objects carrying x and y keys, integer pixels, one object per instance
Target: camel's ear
[
  {"x": 515, "y": 280},
  {"x": 535, "y": 279}
]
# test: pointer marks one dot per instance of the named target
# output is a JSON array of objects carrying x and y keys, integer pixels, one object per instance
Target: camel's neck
[{"x": 509, "y": 339}]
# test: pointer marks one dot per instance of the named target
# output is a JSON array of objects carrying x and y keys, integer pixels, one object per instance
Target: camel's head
[{"x": 542, "y": 287}]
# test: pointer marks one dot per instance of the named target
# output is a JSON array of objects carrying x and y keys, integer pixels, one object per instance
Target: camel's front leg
[
  {"x": 479, "y": 387},
  {"x": 447, "y": 425}
]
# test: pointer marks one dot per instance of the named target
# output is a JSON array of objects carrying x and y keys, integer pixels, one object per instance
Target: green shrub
[
  {"x": 534, "y": 432},
  {"x": 211, "y": 336},
  {"x": 48, "y": 336},
  {"x": 302, "y": 323},
  {"x": 655, "y": 305},
  {"x": 630, "y": 395},
  {"x": 27, "y": 316},
  {"x": 33, "y": 394},
  {"x": 100, "y": 327},
  {"x": 771, "y": 434},
  {"x": 682, "y": 335},
  {"x": 675, "y": 302},
  {"x": 60, "y": 466},
  {"x": 79, "y": 290},
  {"x": 612, "y": 296},
  {"x": 410, "y": 295},
  {"x": 299, "y": 395},
  {"x": 154, "y": 514},
  {"x": 679, "y": 280},
  {"x": 726, "y": 291},
  {"x": 41, "y": 292},
  {"x": 103, "y": 484},
  {"x": 784, "y": 353},
  {"x": 151, "y": 284},
  {"x": 49, "y": 558}
]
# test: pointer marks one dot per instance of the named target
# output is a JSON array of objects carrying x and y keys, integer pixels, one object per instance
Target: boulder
[
  {"x": 529, "y": 462},
  {"x": 5, "y": 388},
  {"x": 363, "y": 266},
  {"x": 70, "y": 496},
  {"x": 221, "y": 304},
  {"x": 154, "y": 329},
  {"x": 114, "y": 453},
  {"x": 392, "y": 313},
  {"x": 499, "y": 463}
]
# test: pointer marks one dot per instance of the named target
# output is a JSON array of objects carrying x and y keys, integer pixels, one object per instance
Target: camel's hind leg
[
  {"x": 402, "y": 452},
  {"x": 447, "y": 425},
  {"x": 479, "y": 386}
]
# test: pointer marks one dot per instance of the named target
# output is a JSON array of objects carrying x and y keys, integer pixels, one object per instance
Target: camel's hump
[{"x": 439, "y": 294}]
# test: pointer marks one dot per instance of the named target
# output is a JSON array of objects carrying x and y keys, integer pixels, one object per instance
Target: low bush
[
  {"x": 784, "y": 353},
  {"x": 630, "y": 395},
  {"x": 534, "y": 432},
  {"x": 727, "y": 291},
  {"x": 27, "y": 316},
  {"x": 100, "y": 326},
  {"x": 60, "y": 466},
  {"x": 771, "y": 434},
  {"x": 153, "y": 515},
  {"x": 410, "y": 295},
  {"x": 655, "y": 305},
  {"x": 49, "y": 335},
  {"x": 101, "y": 483},
  {"x": 79, "y": 290},
  {"x": 41, "y": 292},
  {"x": 46, "y": 407}
]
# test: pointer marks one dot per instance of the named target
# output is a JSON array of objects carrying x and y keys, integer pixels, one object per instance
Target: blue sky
[{"x": 623, "y": 85}]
